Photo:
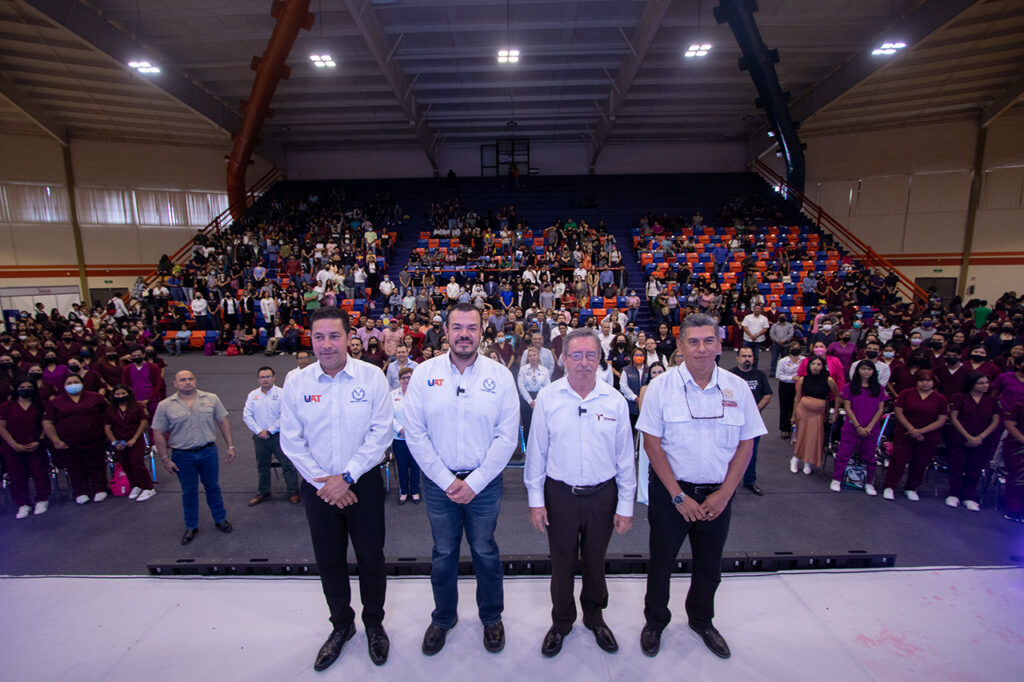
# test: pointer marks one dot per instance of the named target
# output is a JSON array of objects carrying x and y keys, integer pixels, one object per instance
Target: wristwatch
[
  {"x": 348, "y": 478},
  {"x": 678, "y": 499}
]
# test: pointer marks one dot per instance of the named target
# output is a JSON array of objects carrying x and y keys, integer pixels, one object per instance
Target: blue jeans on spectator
[
  {"x": 754, "y": 346},
  {"x": 200, "y": 465},
  {"x": 408, "y": 470},
  {"x": 721, "y": 267},
  {"x": 447, "y": 521},
  {"x": 631, "y": 314},
  {"x": 777, "y": 352},
  {"x": 750, "y": 475}
]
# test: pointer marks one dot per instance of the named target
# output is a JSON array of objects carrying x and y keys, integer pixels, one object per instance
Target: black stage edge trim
[{"x": 529, "y": 564}]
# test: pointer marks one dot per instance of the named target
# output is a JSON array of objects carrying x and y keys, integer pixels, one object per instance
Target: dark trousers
[
  {"x": 917, "y": 453},
  {"x": 408, "y": 469},
  {"x": 965, "y": 465},
  {"x": 20, "y": 467},
  {"x": 133, "y": 461},
  {"x": 579, "y": 529},
  {"x": 750, "y": 475},
  {"x": 1013, "y": 457},
  {"x": 266, "y": 449},
  {"x": 330, "y": 528},
  {"x": 707, "y": 539},
  {"x": 787, "y": 394},
  {"x": 87, "y": 469}
]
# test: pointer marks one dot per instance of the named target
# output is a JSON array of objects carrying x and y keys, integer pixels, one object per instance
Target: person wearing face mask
[
  {"x": 22, "y": 450},
  {"x": 6, "y": 376},
  {"x": 632, "y": 379},
  {"x": 124, "y": 422},
  {"x": 951, "y": 373},
  {"x": 975, "y": 416},
  {"x": 977, "y": 361},
  {"x": 920, "y": 414},
  {"x": 761, "y": 388},
  {"x": 67, "y": 347},
  {"x": 937, "y": 349},
  {"x": 787, "y": 372},
  {"x": 54, "y": 373},
  {"x": 999, "y": 344},
  {"x": 864, "y": 402},
  {"x": 73, "y": 422},
  {"x": 832, "y": 363},
  {"x": 144, "y": 378},
  {"x": 109, "y": 368},
  {"x": 90, "y": 378},
  {"x": 926, "y": 329},
  {"x": 915, "y": 342},
  {"x": 844, "y": 349},
  {"x": 872, "y": 352}
]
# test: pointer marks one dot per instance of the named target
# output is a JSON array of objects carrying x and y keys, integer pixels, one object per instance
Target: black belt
[
  {"x": 195, "y": 449},
  {"x": 582, "y": 490},
  {"x": 461, "y": 475},
  {"x": 698, "y": 488}
]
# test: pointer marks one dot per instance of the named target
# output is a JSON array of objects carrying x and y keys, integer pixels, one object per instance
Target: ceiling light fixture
[
  {"x": 698, "y": 50},
  {"x": 508, "y": 56},
  {"x": 321, "y": 61},
  {"x": 143, "y": 66},
  {"x": 888, "y": 48}
]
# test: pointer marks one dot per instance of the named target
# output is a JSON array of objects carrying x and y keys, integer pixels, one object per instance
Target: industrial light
[
  {"x": 143, "y": 67},
  {"x": 321, "y": 61},
  {"x": 888, "y": 48},
  {"x": 697, "y": 50},
  {"x": 508, "y": 56}
]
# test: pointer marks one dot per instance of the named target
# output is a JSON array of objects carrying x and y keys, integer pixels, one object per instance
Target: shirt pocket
[
  {"x": 678, "y": 423},
  {"x": 727, "y": 431}
]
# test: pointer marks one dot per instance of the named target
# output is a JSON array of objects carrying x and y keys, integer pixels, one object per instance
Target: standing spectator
[
  {"x": 814, "y": 393},
  {"x": 124, "y": 424},
  {"x": 755, "y": 330},
  {"x": 533, "y": 376},
  {"x": 24, "y": 457},
  {"x": 73, "y": 422},
  {"x": 408, "y": 470},
  {"x": 761, "y": 389},
  {"x": 145, "y": 379},
  {"x": 1013, "y": 456},
  {"x": 392, "y": 337},
  {"x": 186, "y": 423},
  {"x": 395, "y": 367},
  {"x": 780, "y": 333},
  {"x": 633, "y": 378},
  {"x": 975, "y": 417},
  {"x": 787, "y": 373},
  {"x": 864, "y": 401},
  {"x": 201, "y": 312},
  {"x": 844, "y": 349},
  {"x": 262, "y": 415},
  {"x": 920, "y": 414}
]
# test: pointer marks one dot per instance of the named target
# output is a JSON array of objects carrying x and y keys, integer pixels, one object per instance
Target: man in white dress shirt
[
  {"x": 336, "y": 422},
  {"x": 262, "y": 415},
  {"x": 302, "y": 361},
  {"x": 581, "y": 480},
  {"x": 462, "y": 425},
  {"x": 699, "y": 425}
]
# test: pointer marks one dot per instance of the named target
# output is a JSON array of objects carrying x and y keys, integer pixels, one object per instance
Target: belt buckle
[{"x": 574, "y": 489}]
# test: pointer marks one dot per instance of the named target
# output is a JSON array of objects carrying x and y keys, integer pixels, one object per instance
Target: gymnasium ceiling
[{"x": 595, "y": 71}]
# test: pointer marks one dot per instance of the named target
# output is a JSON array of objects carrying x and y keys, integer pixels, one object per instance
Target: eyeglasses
[
  {"x": 579, "y": 356},
  {"x": 721, "y": 404}
]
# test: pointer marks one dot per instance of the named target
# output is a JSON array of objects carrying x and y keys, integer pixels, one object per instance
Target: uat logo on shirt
[
  {"x": 311, "y": 398},
  {"x": 435, "y": 382}
]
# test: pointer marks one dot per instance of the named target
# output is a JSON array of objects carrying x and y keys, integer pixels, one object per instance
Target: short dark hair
[
  {"x": 266, "y": 368},
  {"x": 465, "y": 308},
  {"x": 330, "y": 313}
]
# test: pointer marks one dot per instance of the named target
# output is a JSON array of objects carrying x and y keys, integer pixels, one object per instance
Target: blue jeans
[
  {"x": 750, "y": 475},
  {"x": 447, "y": 521},
  {"x": 408, "y": 470},
  {"x": 201, "y": 465}
]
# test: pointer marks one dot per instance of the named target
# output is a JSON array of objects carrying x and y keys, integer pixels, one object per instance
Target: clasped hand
[{"x": 336, "y": 491}]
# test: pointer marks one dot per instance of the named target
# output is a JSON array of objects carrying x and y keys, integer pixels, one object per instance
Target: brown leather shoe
[
  {"x": 259, "y": 498},
  {"x": 294, "y": 498}
]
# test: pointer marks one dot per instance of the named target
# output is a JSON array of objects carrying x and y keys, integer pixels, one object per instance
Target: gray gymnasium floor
[{"x": 798, "y": 513}]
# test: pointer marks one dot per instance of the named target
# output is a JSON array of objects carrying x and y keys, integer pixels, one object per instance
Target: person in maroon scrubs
[
  {"x": 21, "y": 431},
  {"x": 1013, "y": 456},
  {"x": 975, "y": 417},
  {"x": 124, "y": 423},
  {"x": 73, "y": 421},
  {"x": 920, "y": 413}
]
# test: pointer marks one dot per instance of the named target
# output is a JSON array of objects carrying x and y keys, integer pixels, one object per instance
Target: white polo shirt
[
  {"x": 700, "y": 450},
  {"x": 580, "y": 441},
  {"x": 461, "y": 422},
  {"x": 332, "y": 426},
  {"x": 262, "y": 411}
]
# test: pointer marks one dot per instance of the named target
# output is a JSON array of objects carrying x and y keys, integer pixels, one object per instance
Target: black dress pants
[
  {"x": 707, "y": 539},
  {"x": 580, "y": 527},
  {"x": 330, "y": 528}
]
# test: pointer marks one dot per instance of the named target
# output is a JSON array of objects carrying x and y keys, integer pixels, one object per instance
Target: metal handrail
[{"x": 850, "y": 241}]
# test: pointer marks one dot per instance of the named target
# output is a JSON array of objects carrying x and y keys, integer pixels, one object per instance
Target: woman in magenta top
[
  {"x": 920, "y": 413},
  {"x": 864, "y": 401},
  {"x": 73, "y": 421},
  {"x": 975, "y": 417},
  {"x": 24, "y": 455},
  {"x": 833, "y": 364}
]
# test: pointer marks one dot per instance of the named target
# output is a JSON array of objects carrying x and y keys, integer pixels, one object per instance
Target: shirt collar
[
  {"x": 684, "y": 374},
  {"x": 601, "y": 388},
  {"x": 471, "y": 369},
  {"x": 319, "y": 373}
]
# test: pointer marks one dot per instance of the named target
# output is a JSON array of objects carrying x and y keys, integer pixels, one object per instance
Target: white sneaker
[
  {"x": 81, "y": 499},
  {"x": 912, "y": 495},
  {"x": 870, "y": 489},
  {"x": 794, "y": 465},
  {"x": 41, "y": 507},
  {"x": 23, "y": 512},
  {"x": 99, "y": 497},
  {"x": 835, "y": 486},
  {"x": 888, "y": 494},
  {"x": 134, "y": 493},
  {"x": 952, "y": 501},
  {"x": 971, "y": 505},
  {"x": 807, "y": 469},
  {"x": 145, "y": 495}
]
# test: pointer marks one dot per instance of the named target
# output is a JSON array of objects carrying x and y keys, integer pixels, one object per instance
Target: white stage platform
[{"x": 912, "y": 624}]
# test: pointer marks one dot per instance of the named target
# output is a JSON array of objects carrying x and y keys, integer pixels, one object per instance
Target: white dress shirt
[
  {"x": 786, "y": 369},
  {"x": 333, "y": 426},
  {"x": 580, "y": 449},
  {"x": 262, "y": 411},
  {"x": 462, "y": 422},
  {"x": 700, "y": 450},
  {"x": 531, "y": 379},
  {"x": 547, "y": 358}
]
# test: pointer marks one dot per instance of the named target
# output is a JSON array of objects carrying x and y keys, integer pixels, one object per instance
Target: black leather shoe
[
  {"x": 552, "y": 643},
  {"x": 604, "y": 638},
  {"x": 402, "y": 499},
  {"x": 331, "y": 649},
  {"x": 189, "y": 536},
  {"x": 650, "y": 641},
  {"x": 378, "y": 644},
  {"x": 753, "y": 487},
  {"x": 494, "y": 637},
  {"x": 713, "y": 640},
  {"x": 433, "y": 639},
  {"x": 224, "y": 526}
]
